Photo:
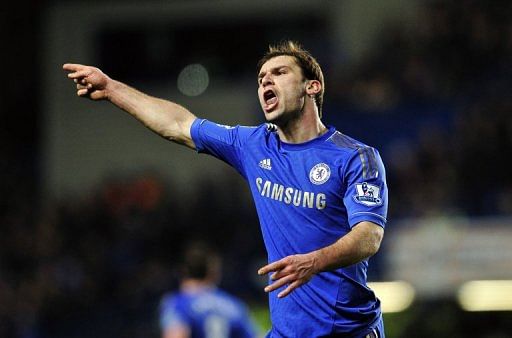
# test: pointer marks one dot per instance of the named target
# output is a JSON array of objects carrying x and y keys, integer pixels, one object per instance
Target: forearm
[
  {"x": 166, "y": 118},
  {"x": 360, "y": 243}
]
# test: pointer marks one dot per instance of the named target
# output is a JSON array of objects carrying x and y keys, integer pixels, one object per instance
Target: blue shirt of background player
[
  {"x": 207, "y": 313},
  {"x": 307, "y": 196}
]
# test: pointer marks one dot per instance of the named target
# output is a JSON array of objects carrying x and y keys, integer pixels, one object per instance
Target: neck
[
  {"x": 306, "y": 127},
  {"x": 192, "y": 285}
]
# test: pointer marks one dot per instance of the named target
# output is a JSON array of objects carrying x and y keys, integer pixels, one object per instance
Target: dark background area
[{"x": 96, "y": 265}]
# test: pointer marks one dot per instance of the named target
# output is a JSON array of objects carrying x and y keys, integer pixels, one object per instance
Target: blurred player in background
[
  {"x": 321, "y": 196},
  {"x": 200, "y": 309}
]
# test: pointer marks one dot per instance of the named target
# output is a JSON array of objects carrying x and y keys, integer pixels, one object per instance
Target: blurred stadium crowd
[
  {"x": 434, "y": 97},
  {"x": 441, "y": 90}
]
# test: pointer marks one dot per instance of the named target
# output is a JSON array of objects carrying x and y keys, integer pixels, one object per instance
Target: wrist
[
  {"x": 317, "y": 261},
  {"x": 111, "y": 86}
]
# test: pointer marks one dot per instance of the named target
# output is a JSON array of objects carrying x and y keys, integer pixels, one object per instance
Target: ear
[{"x": 313, "y": 87}]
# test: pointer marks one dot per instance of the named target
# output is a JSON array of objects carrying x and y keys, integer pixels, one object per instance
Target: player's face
[{"x": 281, "y": 89}]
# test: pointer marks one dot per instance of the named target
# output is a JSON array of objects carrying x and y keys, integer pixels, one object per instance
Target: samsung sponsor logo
[{"x": 289, "y": 195}]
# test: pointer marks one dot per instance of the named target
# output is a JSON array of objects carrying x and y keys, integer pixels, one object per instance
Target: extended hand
[
  {"x": 90, "y": 81},
  {"x": 292, "y": 270}
]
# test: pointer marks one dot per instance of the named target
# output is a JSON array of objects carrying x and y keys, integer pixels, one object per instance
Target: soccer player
[
  {"x": 310, "y": 184},
  {"x": 200, "y": 309}
]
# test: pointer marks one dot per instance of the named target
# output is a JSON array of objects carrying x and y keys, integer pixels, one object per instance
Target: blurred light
[
  {"x": 193, "y": 80},
  {"x": 486, "y": 295},
  {"x": 395, "y": 296}
]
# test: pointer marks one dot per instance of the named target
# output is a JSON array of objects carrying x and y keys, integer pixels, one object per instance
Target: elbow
[
  {"x": 375, "y": 239},
  {"x": 373, "y": 248},
  {"x": 372, "y": 235},
  {"x": 368, "y": 236},
  {"x": 170, "y": 131}
]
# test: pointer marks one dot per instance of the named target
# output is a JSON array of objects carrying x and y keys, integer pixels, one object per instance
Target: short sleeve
[
  {"x": 366, "y": 195},
  {"x": 222, "y": 142}
]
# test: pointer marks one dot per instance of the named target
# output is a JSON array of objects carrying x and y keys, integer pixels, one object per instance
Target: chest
[{"x": 308, "y": 175}]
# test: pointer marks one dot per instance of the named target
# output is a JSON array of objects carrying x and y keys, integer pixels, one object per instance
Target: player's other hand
[
  {"x": 292, "y": 271},
  {"x": 90, "y": 81}
]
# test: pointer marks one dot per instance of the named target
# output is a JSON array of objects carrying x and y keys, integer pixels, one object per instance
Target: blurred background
[{"x": 95, "y": 208}]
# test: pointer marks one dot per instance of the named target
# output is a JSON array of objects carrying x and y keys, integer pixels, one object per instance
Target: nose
[{"x": 267, "y": 79}]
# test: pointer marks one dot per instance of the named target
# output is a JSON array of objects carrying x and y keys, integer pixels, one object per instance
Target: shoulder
[
  {"x": 349, "y": 145},
  {"x": 344, "y": 142},
  {"x": 355, "y": 152},
  {"x": 170, "y": 300},
  {"x": 231, "y": 304},
  {"x": 258, "y": 135},
  {"x": 261, "y": 129},
  {"x": 226, "y": 296}
]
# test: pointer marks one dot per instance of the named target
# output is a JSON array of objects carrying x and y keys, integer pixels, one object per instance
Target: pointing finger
[{"x": 73, "y": 67}]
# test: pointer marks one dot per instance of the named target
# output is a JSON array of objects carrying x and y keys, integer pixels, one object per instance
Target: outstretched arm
[
  {"x": 360, "y": 243},
  {"x": 166, "y": 118}
]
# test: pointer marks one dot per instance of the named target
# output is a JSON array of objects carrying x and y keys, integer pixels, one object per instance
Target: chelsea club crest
[{"x": 319, "y": 174}]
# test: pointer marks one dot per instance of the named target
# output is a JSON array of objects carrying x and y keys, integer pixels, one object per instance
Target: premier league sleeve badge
[{"x": 367, "y": 194}]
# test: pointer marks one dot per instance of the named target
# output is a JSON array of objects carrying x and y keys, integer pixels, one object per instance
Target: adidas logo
[{"x": 265, "y": 164}]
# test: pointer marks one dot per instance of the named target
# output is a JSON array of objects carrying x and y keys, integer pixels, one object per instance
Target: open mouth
[{"x": 270, "y": 98}]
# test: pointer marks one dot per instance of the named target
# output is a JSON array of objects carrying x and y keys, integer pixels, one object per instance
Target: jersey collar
[{"x": 309, "y": 144}]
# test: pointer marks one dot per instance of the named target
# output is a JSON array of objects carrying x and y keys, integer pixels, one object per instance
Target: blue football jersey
[
  {"x": 307, "y": 196},
  {"x": 207, "y": 313}
]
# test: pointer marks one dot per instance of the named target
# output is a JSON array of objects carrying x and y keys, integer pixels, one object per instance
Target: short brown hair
[
  {"x": 200, "y": 261},
  {"x": 310, "y": 67}
]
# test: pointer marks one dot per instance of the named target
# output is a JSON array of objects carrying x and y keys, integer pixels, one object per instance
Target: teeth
[
  {"x": 271, "y": 100},
  {"x": 270, "y": 97}
]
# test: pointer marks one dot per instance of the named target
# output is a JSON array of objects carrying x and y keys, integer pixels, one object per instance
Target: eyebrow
[{"x": 260, "y": 75}]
